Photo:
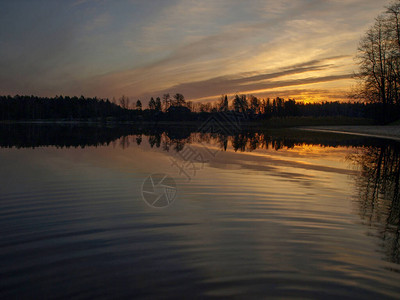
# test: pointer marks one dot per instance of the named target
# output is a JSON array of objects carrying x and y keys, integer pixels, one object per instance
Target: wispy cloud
[{"x": 257, "y": 84}]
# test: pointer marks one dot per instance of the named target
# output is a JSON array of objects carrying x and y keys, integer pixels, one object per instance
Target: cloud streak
[
  {"x": 211, "y": 88},
  {"x": 257, "y": 83}
]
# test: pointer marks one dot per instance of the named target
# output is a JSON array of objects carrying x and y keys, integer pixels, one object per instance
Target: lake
[{"x": 167, "y": 211}]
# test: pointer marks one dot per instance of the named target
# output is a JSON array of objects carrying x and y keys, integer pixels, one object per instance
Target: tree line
[
  {"x": 253, "y": 106},
  {"x": 58, "y": 107},
  {"x": 174, "y": 108}
]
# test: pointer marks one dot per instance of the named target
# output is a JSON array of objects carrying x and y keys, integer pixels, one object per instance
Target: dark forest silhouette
[{"x": 177, "y": 109}]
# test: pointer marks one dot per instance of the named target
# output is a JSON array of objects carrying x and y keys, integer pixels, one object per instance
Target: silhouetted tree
[
  {"x": 139, "y": 105},
  {"x": 157, "y": 104},
  {"x": 152, "y": 104},
  {"x": 179, "y": 100},
  {"x": 379, "y": 60},
  {"x": 240, "y": 103},
  {"x": 254, "y": 104},
  {"x": 223, "y": 105},
  {"x": 124, "y": 102},
  {"x": 166, "y": 101}
]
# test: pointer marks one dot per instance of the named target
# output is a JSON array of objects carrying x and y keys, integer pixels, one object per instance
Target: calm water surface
[{"x": 279, "y": 214}]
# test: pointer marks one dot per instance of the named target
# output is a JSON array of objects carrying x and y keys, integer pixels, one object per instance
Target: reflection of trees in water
[
  {"x": 124, "y": 142},
  {"x": 139, "y": 139},
  {"x": 163, "y": 136},
  {"x": 166, "y": 136},
  {"x": 155, "y": 140},
  {"x": 378, "y": 188},
  {"x": 239, "y": 142},
  {"x": 245, "y": 141}
]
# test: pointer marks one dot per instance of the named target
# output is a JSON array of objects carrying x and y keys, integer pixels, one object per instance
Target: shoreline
[{"x": 379, "y": 131}]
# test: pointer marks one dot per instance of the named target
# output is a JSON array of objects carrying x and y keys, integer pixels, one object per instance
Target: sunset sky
[{"x": 202, "y": 49}]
